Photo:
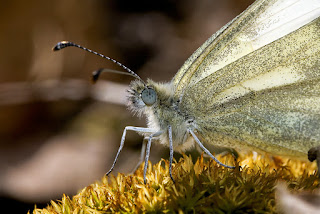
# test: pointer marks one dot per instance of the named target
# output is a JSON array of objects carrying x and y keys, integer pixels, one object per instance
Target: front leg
[
  {"x": 142, "y": 154},
  {"x": 148, "y": 154},
  {"x": 131, "y": 128}
]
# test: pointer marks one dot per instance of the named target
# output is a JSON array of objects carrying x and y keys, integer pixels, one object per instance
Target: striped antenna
[{"x": 64, "y": 44}]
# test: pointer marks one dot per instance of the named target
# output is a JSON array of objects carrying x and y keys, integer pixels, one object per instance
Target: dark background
[{"x": 59, "y": 133}]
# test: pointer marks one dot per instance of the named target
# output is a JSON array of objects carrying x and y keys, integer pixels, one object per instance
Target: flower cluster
[{"x": 200, "y": 187}]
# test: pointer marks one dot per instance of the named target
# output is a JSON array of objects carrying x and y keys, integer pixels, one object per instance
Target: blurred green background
[{"x": 59, "y": 133}]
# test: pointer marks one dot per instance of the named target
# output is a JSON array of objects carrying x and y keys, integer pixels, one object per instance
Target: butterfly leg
[
  {"x": 131, "y": 128},
  {"x": 207, "y": 151},
  {"x": 171, "y": 152},
  {"x": 314, "y": 154},
  {"x": 148, "y": 154},
  {"x": 142, "y": 154}
]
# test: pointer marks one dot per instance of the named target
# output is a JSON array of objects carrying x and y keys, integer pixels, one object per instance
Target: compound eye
[{"x": 148, "y": 96}]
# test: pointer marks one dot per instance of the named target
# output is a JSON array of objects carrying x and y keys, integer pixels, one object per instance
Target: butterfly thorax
[{"x": 163, "y": 112}]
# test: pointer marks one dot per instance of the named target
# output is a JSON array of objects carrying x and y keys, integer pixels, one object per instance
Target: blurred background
[{"x": 58, "y": 132}]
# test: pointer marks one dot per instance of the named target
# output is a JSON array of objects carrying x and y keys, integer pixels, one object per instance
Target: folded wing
[
  {"x": 268, "y": 99},
  {"x": 262, "y": 23}
]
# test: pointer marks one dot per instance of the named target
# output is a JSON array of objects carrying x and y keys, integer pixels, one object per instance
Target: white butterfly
[{"x": 255, "y": 84}]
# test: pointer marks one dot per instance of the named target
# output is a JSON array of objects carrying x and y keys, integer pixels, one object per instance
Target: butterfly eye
[{"x": 148, "y": 96}]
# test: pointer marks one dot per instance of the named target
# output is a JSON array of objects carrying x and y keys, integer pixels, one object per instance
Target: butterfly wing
[
  {"x": 262, "y": 23},
  {"x": 266, "y": 98}
]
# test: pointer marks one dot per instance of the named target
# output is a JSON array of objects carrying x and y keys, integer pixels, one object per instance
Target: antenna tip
[
  {"x": 95, "y": 75},
  {"x": 61, "y": 45}
]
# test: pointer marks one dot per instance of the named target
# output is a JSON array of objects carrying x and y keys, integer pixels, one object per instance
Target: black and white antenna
[{"x": 96, "y": 74}]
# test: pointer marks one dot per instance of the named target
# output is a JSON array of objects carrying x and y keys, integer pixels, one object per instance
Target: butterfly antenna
[{"x": 64, "y": 44}]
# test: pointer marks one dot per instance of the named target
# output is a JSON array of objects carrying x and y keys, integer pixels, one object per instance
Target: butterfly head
[{"x": 142, "y": 96}]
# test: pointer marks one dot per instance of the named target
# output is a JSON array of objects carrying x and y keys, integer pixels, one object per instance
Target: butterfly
[{"x": 254, "y": 84}]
